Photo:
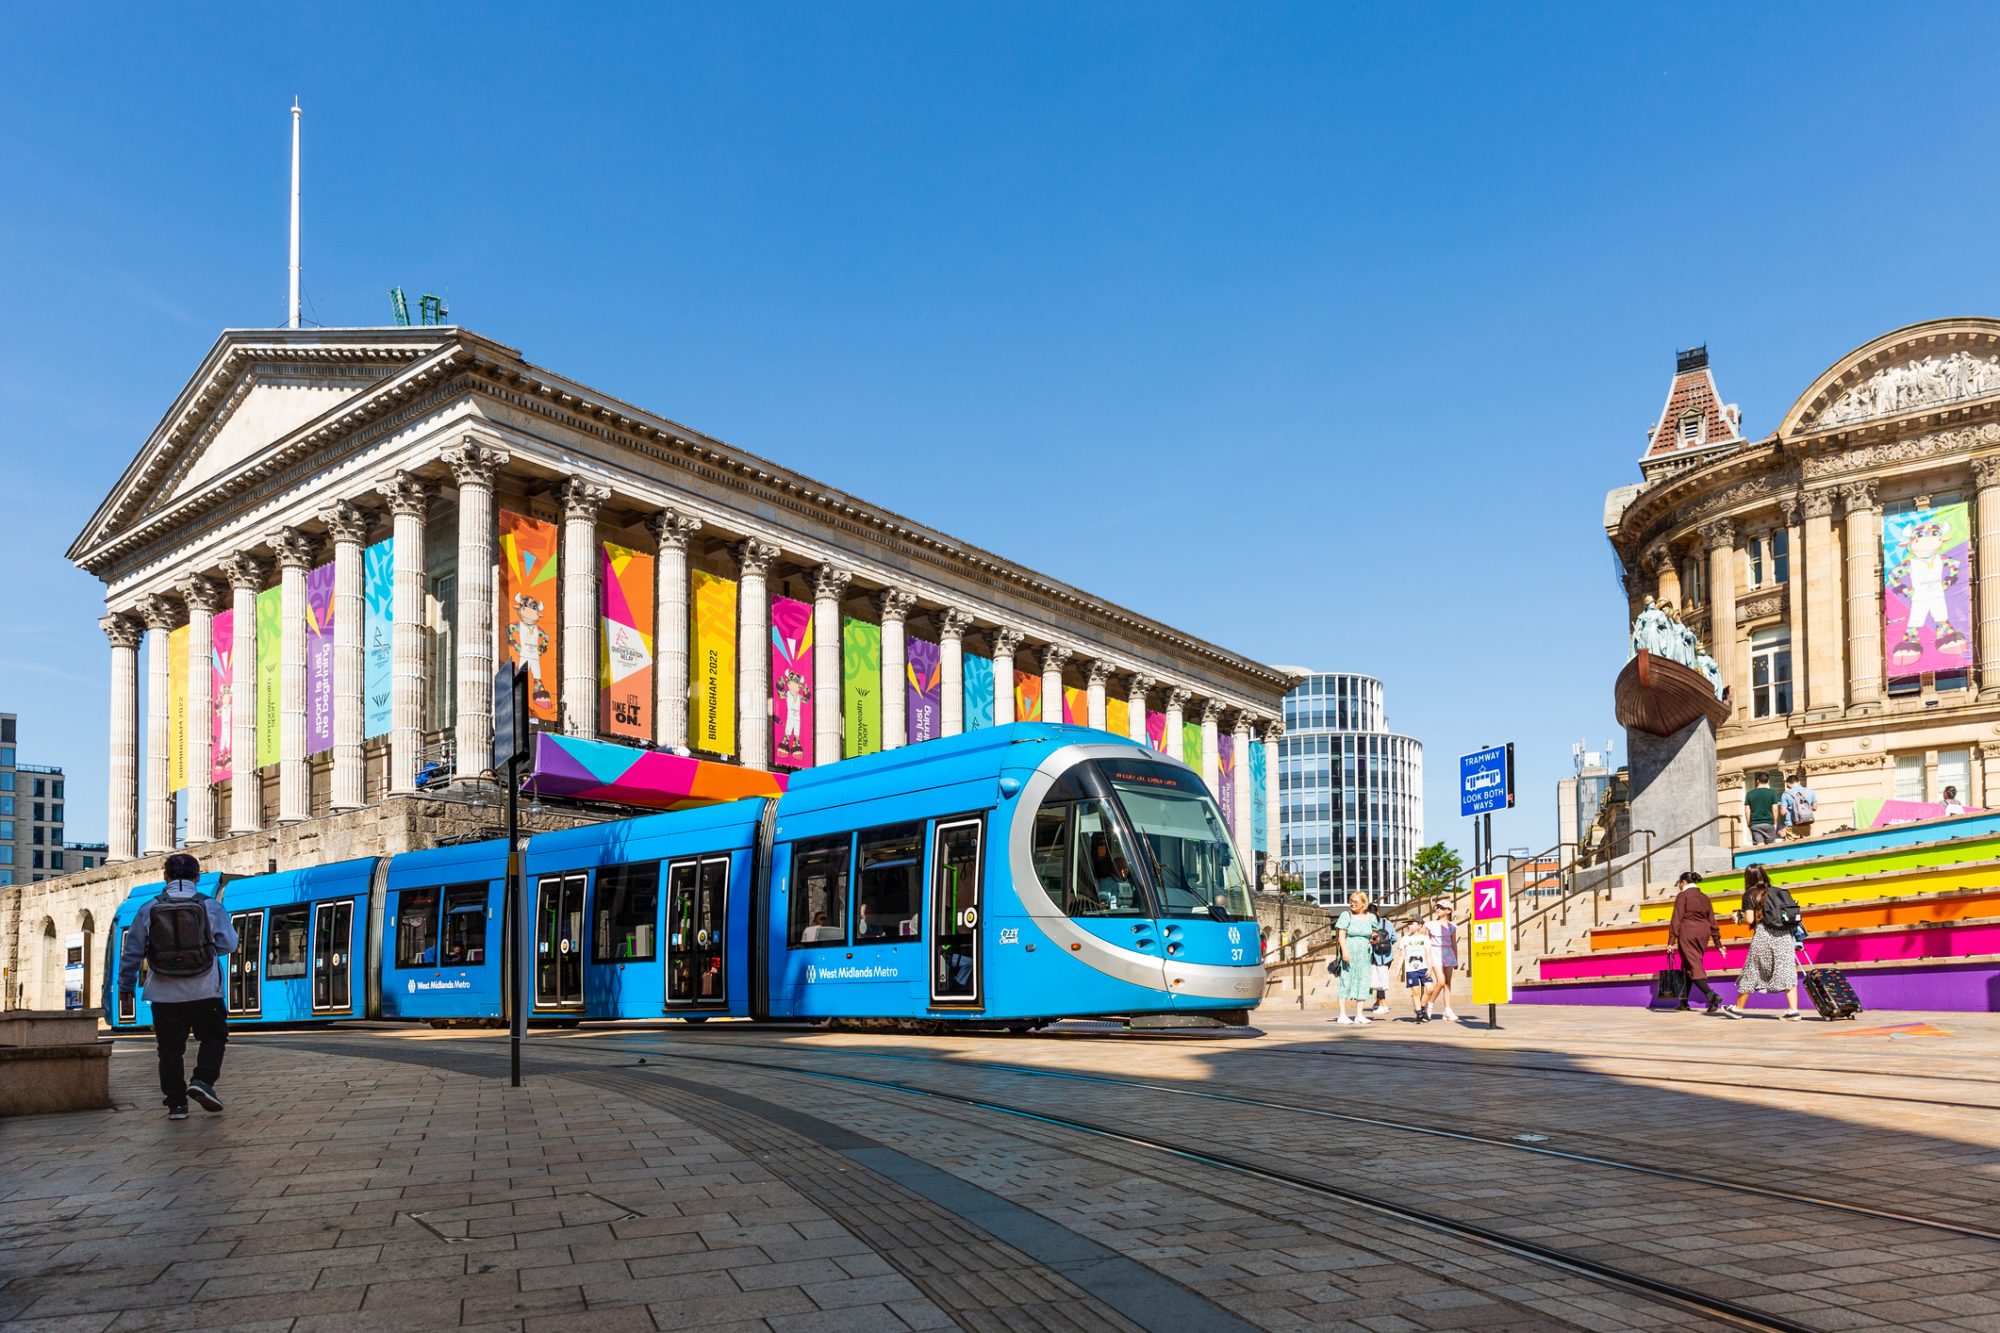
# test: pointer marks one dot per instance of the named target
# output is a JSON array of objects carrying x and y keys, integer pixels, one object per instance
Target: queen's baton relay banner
[
  {"x": 526, "y": 617},
  {"x": 923, "y": 686},
  {"x": 978, "y": 692},
  {"x": 378, "y": 636},
  {"x": 714, "y": 721},
  {"x": 1927, "y": 590},
  {"x": 270, "y": 642},
  {"x": 625, "y": 641},
  {"x": 319, "y": 658},
  {"x": 1027, "y": 696},
  {"x": 1259, "y": 811},
  {"x": 861, "y": 686},
  {"x": 791, "y": 683},
  {"x": 221, "y": 697},
  {"x": 177, "y": 708}
]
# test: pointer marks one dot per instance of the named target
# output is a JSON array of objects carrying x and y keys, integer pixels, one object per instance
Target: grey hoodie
[{"x": 175, "y": 990}]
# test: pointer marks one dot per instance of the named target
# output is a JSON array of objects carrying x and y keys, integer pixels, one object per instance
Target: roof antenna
[{"x": 292, "y": 320}]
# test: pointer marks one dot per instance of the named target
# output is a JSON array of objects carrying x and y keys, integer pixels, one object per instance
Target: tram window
[
  {"x": 891, "y": 868},
  {"x": 287, "y": 957},
  {"x": 628, "y": 914},
  {"x": 464, "y": 926},
  {"x": 416, "y": 928},
  {"x": 1102, "y": 881},
  {"x": 1050, "y": 837},
  {"x": 819, "y": 891}
]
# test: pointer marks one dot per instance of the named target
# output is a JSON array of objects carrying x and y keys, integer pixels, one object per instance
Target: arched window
[
  {"x": 1688, "y": 430},
  {"x": 87, "y": 924},
  {"x": 49, "y": 977}
]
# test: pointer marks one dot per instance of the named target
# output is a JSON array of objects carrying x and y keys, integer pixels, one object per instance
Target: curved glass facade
[{"x": 1350, "y": 791}]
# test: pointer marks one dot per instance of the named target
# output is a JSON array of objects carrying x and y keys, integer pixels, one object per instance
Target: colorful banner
[
  {"x": 270, "y": 643},
  {"x": 1156, "y": 731},
  {"x": 861, "y": 686},
  {"x": 378, "y": 635},
  {"x": 177, "y": 708},
  {"x": 713, "y": 725},
  {"x": 923, "y": 691},
  {"x": 1225, "y": 777},
  {"x": 1076, "y": 706},
  {"x": 1927, "y": 590},
  {"x": 1027, "y": 696},
  {"x": 791, "y": 683},
  {"x": 1260, "y": 813},
  {"x": 625, "y": 642},
  {"x": 1117, "y": 716},
  {"x": 527, "y": 613},
  {"x": 654, "y": 779},
  {"x": 221, "y": 694},
  {"x": 319, "y": 659},
  {"x": 1191, "y": 745},
  {"x": 978, "y": 692}
]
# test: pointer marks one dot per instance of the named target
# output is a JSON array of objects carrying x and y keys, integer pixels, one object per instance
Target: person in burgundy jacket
[{"x": 1691, "y": 932}]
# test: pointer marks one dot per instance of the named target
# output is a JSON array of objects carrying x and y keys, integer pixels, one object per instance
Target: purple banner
[
  {"x": 1225, "y": 776},
  {"x": 791, "y": 683},
  {"x": 319, "y": 659},
  {"x": 924, "y": 687}
]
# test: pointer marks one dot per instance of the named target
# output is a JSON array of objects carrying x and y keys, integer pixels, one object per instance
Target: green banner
[
  {"x": 1191, "y": 745},
  {"x": 861, "y": 685},
  {"x": 270, "y": 640}
]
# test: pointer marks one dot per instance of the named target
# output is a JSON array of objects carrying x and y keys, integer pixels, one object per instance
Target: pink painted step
[{"x": 1940, "y": 943}]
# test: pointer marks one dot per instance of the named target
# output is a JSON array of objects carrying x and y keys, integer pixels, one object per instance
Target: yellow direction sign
[{"x": 1492, "y": 948}]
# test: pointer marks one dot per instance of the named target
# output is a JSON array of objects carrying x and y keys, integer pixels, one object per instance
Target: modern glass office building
[{"x": 1351, "y": 792}]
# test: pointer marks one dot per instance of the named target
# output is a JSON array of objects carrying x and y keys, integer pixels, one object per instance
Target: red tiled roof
[{"x": 1693, "y": 391}]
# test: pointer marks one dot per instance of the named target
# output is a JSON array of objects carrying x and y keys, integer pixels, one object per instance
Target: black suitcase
[{"x": 1831, "y": 994}]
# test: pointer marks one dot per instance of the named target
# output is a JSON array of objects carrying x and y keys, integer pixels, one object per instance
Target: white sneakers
[{"x": 1355, "y": 1021}]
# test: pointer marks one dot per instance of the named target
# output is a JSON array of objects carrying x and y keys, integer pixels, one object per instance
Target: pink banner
[
  {"x": 1076, "y": 706},
  {"x": 1156, "y": 731},
  {"x": 222, "y": 732},
  {"x": 319, "y": 659},
  {"x": 1225, "y": 776},
  {"x": 791, "y": 683}
]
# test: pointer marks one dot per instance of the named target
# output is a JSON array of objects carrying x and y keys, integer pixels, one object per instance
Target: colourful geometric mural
[{"x": 651, "y": 779}]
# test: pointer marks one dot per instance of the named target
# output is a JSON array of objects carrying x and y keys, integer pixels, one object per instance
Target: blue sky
[{"x": 1318, "y": 331}]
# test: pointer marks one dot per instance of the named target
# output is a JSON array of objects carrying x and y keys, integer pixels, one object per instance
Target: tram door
[
  {"x": 697, "y": 947},
  {"x": 559, "y": 942},
  {"x": 956, "y": 964},
  {"x": 128, "y": 1004},
  {"x": 333, "y": 955},
  {"x": 245, "y": 992}
]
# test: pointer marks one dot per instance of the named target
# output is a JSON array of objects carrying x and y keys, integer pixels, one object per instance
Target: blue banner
[
  {"x": 1259, "y": 834},
  {"x": 378, "y": 633},
  {"x": 978, "y": 692}
]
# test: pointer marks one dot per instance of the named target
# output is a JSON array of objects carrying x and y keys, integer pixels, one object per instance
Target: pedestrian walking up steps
[{"x": 1910, "y": 914}]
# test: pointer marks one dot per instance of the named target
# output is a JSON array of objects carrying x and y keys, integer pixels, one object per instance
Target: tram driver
[{"x": 1114, "y": 878}]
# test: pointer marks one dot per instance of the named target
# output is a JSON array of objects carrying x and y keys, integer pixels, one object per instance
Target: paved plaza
[{"x": 1816, "y": 1176}]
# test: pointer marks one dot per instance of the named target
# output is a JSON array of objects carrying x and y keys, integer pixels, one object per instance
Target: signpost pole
[{"x": 518, "y": 895}]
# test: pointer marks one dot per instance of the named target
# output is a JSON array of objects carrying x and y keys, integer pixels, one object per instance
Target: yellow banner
[
  {"x": 1492, "y": 960},
  {"x": 1118, "y": 717},
  {"x": 713, "y": 708},
  {"x": 177, "y": 709}
]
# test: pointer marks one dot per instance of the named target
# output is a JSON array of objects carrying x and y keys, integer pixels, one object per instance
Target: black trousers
[
  {"x": 1695, "y": 983},
  {"x": 172, "y": 1022}
]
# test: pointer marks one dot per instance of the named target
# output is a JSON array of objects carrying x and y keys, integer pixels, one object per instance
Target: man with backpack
[
  {"x": 181, "y": 936},
  {"x": 1801, "y": 807}
]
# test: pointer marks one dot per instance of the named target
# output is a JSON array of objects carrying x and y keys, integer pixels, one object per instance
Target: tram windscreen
[{"x": 1194, "y": 868}]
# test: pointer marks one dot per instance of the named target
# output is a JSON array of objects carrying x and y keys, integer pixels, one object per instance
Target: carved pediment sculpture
[{"x": 1925, "y": 382}]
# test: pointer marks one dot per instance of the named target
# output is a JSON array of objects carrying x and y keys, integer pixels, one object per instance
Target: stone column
[
  {"x": 1864, "y": 593},
  {"x": 202, "y": 595},
  {"x": 894, "y": 604},
  {"x": 409, "y": 502},
  {"x": 1795, "y": 620},
  {"x": 1006, "y": 642},
  {"x": 1666, "y": 576},
  {"x": 829, "y": 586},
  {"x": 1177, "y": 699},
  {"x": 1211, "y": 748},
  {"x": 247, "y": 575},
  {"x": 1720, "y": 537},
  {"x": 1136, "y": 707},
  {"x": 952, "y": 626},
  {"x": 1273, "y": 826},
  {"x": 472, "y": 466},
  {"x": 1825, "y": 646},
  {"x": 124, "y": 634},
  {"x": 582, "y": 567},
  {"x": 347, "y": 526},
  {"x": 1095, "y": 676},
  {"x": 160, "y": 615},
  {"x": 753, "y": 652},
  {"x": 1986, "y": 564},
  {"x": 1240, "y": 822},
  {"x": 295, "y": 555},
  {"x": 1054, "y": 658},
  {"x": 670, "y": 643}
]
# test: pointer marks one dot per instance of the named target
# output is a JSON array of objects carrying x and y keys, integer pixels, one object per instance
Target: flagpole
[{"x": 292, "y": 320}]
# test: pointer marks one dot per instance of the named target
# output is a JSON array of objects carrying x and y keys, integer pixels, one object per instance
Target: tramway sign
[{"x": 1486, "y": 780}]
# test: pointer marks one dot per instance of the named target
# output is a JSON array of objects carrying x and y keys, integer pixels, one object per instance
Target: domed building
[{"x": 1844, "y": 570}]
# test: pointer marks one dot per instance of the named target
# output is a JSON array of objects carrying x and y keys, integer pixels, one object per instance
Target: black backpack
[
  {"x": 1781, "y": 910},
  {"x": 179, "y": 942}
]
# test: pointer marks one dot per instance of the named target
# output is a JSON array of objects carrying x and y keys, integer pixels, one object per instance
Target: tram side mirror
[{"x": 1009, "y": 786}]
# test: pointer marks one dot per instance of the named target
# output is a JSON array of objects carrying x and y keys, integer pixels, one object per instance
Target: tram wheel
[
  {"x": 1019, "y": 1029},
  {"x": 694, "y": 1018}
]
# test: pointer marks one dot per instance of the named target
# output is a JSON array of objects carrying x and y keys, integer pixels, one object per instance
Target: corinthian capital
[
  {"x": 1857, "y": 497},
  {"x": 894, "y": 603},
  {"x": 1211, "y": 711},
  {"x": 160, "y": 612},
  {"x": 1272, "y": 728},
  {"x": 201, "y": 593},
  {"x": 582, "y": 499},
  {"x": 1719, "y": 534},
  {"x": 953, "y": 624},
  {"x": 1658, "y": 559},
  {"x": 295, "y": 549},
  {"x": 1006, "y": 642},
  {"x": 1817, "y": 503},
  {"x": 122, "y": 630},
  {"x": 1055, "y": 657},
  {"x": 831, "y": 581},
  {"x": 753, "y": 558},
  {"x": 1178, "y": 697},
  {"x": 1986, "y": 471},
  {"x": 1097, "y": 672},
  {"x": 473, "y": 463},
  {"x": 247, "y": 573},
  {"x": 405, "y": 493},
  {"x": 1139, "y": 685},
  {"x": 672, "y": 529},
  {"x": 346, "y": 522}
]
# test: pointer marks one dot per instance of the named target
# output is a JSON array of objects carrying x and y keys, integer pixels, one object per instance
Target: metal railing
[{"x": 1599, "y": 880}]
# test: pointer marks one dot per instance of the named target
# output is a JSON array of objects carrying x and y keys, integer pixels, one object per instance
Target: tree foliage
[{"x": 1433, "y": 871}]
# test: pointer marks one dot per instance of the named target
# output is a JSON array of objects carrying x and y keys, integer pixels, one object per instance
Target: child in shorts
[{"x": 1414, "y": 949}]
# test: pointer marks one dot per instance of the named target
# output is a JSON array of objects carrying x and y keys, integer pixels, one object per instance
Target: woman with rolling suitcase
[{"x": 1771, "y": 965}]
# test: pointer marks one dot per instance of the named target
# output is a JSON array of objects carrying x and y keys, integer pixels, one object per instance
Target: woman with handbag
[
  {"x": 1353, "y": 937},
  {"x": 1691, "y": 932}
]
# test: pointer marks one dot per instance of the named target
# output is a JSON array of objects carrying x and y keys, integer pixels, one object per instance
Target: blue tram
[{"x": 1010, "y": 876}]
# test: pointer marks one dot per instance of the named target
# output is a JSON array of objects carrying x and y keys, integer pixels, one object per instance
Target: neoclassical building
[
  {"x": 1844, "y": 569},
  {"x": 350, "y": 528}
]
